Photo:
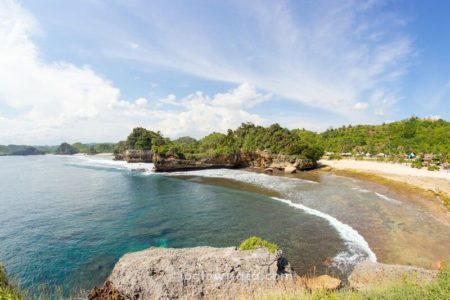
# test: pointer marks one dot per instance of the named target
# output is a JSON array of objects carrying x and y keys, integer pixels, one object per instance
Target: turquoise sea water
[
  {"x": 65, "y": 224},
  {"x": 65, "y": 221}
]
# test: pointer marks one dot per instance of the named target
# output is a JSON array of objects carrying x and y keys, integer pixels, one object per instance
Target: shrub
[
  {"x": 433, "y": 168},
  {"x": 255, "y": 242},
  {"x": 335, "y": 156},
  {"x": 417, "y": 164}
]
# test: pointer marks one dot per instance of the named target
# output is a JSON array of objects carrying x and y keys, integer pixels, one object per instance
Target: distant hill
[{"x": 19, "y": 150}]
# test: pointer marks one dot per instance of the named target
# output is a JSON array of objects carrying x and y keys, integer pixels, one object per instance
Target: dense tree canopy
[
  {"x": 67, "y": 149},
  {"x": 19, "y": 150},
  {"x": 411, "y": 135},
  {"x": 247, "y": 138}
]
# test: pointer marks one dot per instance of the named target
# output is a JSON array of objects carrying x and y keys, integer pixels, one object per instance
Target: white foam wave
[
  {"x": 105, "y": 162},
  {"x": 358, "y": 247},
  {"x": 361, "y": 190},
  {"x": 388, "y": 199},
  {"x": 276, "y": 183}
]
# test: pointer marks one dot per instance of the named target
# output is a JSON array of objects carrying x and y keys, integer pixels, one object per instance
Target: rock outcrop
[
  {"x": 257, "y": 159},
  {"x": 191, "y": 273},
  {"x": 174, "y": 164},
  {"x": 136, "y": 156},
  {"x": 367, "y": 275}
]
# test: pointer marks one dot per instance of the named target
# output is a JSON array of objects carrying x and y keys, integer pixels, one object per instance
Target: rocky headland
[
  {"x": 192, "y": 273},
  {"x": 229, "y": 273},
  {"x": 258, "y": 159}
]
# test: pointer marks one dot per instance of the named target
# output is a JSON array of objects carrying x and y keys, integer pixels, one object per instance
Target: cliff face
[
  {"x": 173, "y": 164},
  {"x": 192, "y": 273},
  {"x": 257, "y": 159},
  {"x": 135, "y": 156}
]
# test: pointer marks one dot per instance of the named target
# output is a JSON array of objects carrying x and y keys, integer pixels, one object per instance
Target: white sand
[{"x": 438, "y": 181}]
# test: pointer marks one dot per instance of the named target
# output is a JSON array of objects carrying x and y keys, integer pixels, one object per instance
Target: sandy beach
[{"x": 437, "y": 181}]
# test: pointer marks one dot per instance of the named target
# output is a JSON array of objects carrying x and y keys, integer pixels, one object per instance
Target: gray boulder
[{"x": 200, "y": 272}]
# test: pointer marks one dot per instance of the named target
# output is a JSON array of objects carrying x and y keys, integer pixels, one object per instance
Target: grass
[
  {"x": 409, "y": 289},
  {"x": 255, "y": 242},
  {"x": 8, "y": 290}
]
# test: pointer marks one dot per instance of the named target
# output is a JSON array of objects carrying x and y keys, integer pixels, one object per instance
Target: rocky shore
[
  {"x": 258, "y": 159},
  {"x": 192, "y": 273},
  {"x": 229, "y": 273}
]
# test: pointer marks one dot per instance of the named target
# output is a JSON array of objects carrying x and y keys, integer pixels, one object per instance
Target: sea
[{"x": 66, "y": 220}]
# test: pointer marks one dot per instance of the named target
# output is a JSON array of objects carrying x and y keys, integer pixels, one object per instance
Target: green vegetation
[
  {"x": 255, "y": 242},
  {"x": 19, "y": 150},
  {"x": 418, "y": 164},
  {"x": 66, "y": 149},
  {"x": 394, "y": 139},
  {"x": 8, "y": 291},
  {"x": 247, "y": 138},
  {"x": 433, "y": 168}
]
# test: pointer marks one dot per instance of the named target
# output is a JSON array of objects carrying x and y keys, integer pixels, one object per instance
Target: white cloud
[
  {"x": 201, "y": 114},
  {"x": 327, "y": 54},
  {"x": 360, "y": 105},
  {"x": 49, "y": 102}
]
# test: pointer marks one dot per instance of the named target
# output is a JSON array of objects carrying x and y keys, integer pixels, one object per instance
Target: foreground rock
[
  {"x": 367, "y": 275},
  {"x": 201, "y": 272}
]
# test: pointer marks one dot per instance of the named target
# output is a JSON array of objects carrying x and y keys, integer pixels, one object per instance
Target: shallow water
[{"x": 65, "y": 221}]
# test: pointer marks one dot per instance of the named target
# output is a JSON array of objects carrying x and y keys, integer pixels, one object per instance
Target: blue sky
[{"x": 92, "y": 70}]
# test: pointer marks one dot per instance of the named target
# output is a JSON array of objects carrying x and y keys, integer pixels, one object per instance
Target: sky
[{"x": 91, "y": 70}]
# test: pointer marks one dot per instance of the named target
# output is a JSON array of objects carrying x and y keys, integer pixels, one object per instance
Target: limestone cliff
[
  {"x": 257, "y": 159},
  {"x": 191, "y": 273},
  {"x": 135, "y": 156}
]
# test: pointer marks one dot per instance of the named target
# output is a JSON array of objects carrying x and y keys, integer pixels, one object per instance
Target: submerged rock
[
  {"x": 367, "y": 275},
  {"x": 200, "y": 272}
]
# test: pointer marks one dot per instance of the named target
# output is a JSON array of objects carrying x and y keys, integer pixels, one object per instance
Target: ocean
[{"x": 66, "y": 220}]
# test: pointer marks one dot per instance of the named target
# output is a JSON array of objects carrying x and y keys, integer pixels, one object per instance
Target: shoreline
[{"x": 435, "y": 184}]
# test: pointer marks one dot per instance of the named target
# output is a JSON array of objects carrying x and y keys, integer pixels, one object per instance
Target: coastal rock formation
[
  {"x": 257, "y": 159},
  {"x": 174, "y": 164},
  {"x": 137, "y": 156},
  {"x": 191, "y": 273},
  {"x": 367, "y": 275}
]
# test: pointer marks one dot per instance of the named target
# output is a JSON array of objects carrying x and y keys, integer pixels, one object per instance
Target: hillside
[
  {"x": 412, "y": 135},
  {"x": 19, "y": 150}
]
